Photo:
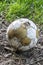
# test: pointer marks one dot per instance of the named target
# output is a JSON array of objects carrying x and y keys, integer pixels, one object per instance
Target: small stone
[
  {"x": 4, "y": 26},
  {"x": 5, "y": 42},
  {"x": 38, "y": 45},
  {"x": 17, "y": 60},
  {"x": 3, "y": 30},
  {"x": 7, "y": 24},
  {"x": 11, "y": 49},
  {"x": 7, "y": 55},
  {"x": 39, "y": 63},
  {"x": 27, "y": 61},
  {"x": 32, "y": 61},
  {"x": 23, "y": 61}
]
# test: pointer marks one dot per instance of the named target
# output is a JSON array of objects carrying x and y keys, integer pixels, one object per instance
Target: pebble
[
  {"x": 11, "y": 49},
  {"x": 17, "y": 61},
  {"x": 3, "y": 30},
  {"x": 39, "y": 63},
  {"x": 4, "y": 26},
  {"x": 5, "y": 42},
  {"x": 27, "y": 61},
  {"x": 31, "y": 61},
  {"x": 7, "y": 55}
]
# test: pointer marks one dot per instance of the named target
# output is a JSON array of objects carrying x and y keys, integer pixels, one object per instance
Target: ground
[{"x": 33, "y": 56}]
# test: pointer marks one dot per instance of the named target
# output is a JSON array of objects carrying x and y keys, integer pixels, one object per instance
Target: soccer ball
[{"x": 22, "y": 34}]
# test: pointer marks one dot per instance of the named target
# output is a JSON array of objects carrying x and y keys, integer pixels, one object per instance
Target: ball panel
[
  {"x": 25, "y": 41},
  {"x": 10, "y": 33}
]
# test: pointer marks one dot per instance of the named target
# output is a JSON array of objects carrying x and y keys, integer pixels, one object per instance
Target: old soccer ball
[{"x": 22, "y": 34}]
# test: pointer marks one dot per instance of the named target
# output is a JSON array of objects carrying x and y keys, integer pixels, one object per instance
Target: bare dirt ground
[{"x": 33, "y": 56}]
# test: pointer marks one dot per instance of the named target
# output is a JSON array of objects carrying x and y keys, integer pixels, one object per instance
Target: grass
[{"x": 14, "y": 9}]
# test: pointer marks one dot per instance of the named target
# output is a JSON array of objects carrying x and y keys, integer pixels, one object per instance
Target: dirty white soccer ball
[{"x": 22, "y": 34}]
